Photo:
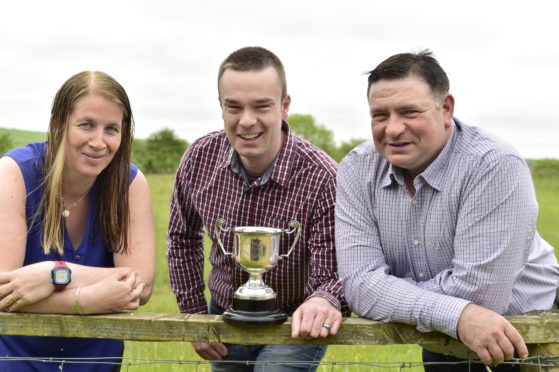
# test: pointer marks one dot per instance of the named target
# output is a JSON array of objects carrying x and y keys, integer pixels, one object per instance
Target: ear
[
  {"x": 285, "y": 107},
  {"x": 448, "y": 109}
]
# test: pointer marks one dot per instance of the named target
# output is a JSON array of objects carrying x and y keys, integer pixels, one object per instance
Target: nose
[
  {"x": 395, "y": 127},
  {"x": 97, "y": 139},
  {"x": 247, "y": 118}
]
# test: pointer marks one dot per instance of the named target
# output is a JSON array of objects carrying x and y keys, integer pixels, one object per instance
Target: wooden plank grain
[{"x": 537, "y": 328}]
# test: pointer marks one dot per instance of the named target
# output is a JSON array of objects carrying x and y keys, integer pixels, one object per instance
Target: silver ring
[
  {"x": 12, "y": 299},
  {"x": 327, "y": 326}
]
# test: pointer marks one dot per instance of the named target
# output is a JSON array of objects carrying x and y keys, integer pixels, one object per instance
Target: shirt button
[
  {"x": 77, "y": 257},
  {"x": 414, "y": 202},
  {"x": 420, "y": 275},
  {"x": 415, "y": 242}
]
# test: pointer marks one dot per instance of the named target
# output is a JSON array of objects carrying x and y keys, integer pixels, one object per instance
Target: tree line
[{"x": 162, "y": 150}]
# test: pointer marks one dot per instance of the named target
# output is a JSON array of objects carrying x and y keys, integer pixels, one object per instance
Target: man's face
[
  {"x": 252, "y": 111},
  {"x": 410, "y": 127}
]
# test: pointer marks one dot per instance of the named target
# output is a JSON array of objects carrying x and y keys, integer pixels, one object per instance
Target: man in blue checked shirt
[{"x": 436, "y": 223}]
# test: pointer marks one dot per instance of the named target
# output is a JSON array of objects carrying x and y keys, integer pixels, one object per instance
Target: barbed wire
[{"x": 539, "y": 362}]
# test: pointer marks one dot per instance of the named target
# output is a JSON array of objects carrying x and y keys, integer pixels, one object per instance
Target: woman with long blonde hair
[{"x": 76, "y": 226}]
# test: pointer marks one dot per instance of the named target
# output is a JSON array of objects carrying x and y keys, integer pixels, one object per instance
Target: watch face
[{"x": 61, "y": 275}]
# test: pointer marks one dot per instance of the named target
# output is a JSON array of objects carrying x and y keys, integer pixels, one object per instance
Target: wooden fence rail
[{"x": 540, "y": 328}]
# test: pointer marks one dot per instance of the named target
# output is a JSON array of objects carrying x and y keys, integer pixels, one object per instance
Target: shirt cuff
[
  {"x": 334, "y": 301},
  {"x": 446, "y": 313},
  {"x": 199, "y": 308}
]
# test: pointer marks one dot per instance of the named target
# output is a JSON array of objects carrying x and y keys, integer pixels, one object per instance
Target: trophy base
[{"x": 254, "y": 312}]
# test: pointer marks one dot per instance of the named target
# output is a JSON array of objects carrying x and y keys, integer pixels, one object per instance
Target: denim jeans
[
  {"x": 429, "y": 356},
  {"x": 258, "y": 356},
  {"x": 271, "y": 358}
]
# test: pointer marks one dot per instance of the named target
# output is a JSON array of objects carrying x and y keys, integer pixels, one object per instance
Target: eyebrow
[
  {"x": 409, "y": 107},
  {"x": 90, "y": 119},
  {"x": 406, "y": 107},
  {"x": 230, "y": 101},
  {"x": 378, "y": 110},
  {"x": 265, "y": 100}
]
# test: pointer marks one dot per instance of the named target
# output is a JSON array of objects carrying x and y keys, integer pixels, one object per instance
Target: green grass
[
  {"x": 164, "y": 301},
  {"x": 23, "y": 137},
  {"x": 547, "y": 191}
]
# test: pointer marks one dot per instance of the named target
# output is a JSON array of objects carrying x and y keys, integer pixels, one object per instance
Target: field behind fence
[
  {"x": 163, "y": 300},
  {"x": 353, "y": 358}
]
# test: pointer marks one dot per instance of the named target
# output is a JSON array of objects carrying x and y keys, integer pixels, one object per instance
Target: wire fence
[{"x": 538, "y": 363}]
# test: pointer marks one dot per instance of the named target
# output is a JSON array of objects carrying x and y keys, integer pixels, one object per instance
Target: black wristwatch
[{"x": 60, "y": 275}]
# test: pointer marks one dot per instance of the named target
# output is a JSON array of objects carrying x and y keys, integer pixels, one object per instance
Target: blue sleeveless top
[{"x": 91, "y": 252}]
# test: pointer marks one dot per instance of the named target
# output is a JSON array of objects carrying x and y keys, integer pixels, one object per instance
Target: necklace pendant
[{"x": 65, "y": 213}]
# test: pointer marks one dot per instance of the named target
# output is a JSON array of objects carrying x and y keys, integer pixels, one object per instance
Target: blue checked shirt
[{"x": 467, "y": 235}]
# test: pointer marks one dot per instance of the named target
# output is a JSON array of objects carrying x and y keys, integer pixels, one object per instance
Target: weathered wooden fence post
[{"x": 540, "y": 330}]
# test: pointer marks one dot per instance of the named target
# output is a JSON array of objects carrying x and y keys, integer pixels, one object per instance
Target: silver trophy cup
[{"x": 256, "y": 251}]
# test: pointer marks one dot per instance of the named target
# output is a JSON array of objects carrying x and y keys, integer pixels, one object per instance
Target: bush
[
  {"x": 545, "y": 168},
  {"x": 159, "y": 153},
  {"x": 320, "y": 136},
  {"x": 6, "y": 143}
]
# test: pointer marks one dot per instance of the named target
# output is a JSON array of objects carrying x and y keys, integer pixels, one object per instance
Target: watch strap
[{"x": 59, "y": 287}]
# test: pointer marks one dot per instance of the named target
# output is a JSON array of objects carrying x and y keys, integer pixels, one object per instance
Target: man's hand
[
  {"x": 489, "y": 335},
  {"x": 210, "y": 350},
  {"x": 316, "y": 317}
]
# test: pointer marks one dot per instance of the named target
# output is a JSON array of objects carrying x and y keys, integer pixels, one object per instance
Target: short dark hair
[
  {"x": 254, "y": 58},
  {"x": 422, "y": 64}
]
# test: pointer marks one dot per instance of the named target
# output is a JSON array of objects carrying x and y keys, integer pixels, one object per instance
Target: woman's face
[{"x": 93, "y": 136}]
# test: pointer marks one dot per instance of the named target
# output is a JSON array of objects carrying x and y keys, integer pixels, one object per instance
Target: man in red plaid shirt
[{"x": 257, "y": 172}]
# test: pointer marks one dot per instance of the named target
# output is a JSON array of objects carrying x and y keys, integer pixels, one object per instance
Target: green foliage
[
  {"x": 163, "y": 299},
  {"x": 547, "y": 192},
  {"x": 317, "y": 134},
  {"x": 545, "y": 168},
  {"x": 6, "y": 142},
  {"x": 347, "y": 146},
  {"x": 159, "y": 153},
  {"x": 320, "y": 136},
  {"x": 23, "y": 137}
]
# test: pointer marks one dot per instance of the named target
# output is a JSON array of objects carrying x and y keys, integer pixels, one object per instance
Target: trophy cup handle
[
  {"x": 296, "y": 226},
  {"x": 218, "y": 227}
]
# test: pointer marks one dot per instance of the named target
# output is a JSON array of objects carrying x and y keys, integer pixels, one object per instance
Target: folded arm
[{"x": 31, "y": 286}]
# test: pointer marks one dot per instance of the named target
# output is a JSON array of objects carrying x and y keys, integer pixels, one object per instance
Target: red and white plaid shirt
[{"x": 301, "y": 186}]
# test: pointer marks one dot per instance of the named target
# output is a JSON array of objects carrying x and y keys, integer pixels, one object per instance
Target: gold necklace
[{"x": 66, "y": 211}]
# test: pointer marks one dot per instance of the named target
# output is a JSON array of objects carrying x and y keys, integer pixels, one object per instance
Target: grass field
[
  {"x": 23, "y": 137},
  {"x": 163, "y": 299}
]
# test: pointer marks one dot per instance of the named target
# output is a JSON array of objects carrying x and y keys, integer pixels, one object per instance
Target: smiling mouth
[
  {"x": 250, "y": 136},
  {"x": 94, "y": 156}
]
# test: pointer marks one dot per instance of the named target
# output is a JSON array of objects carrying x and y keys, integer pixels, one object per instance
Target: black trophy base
[{"x": 254, "y": 312}]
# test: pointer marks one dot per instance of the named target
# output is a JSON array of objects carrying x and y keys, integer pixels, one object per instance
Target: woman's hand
[
  {"x": 117, "y": 292},
  {"x": 25, "y": 286}
]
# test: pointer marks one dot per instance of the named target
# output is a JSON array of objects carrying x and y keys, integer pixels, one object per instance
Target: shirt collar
[
  {"x": 286, "y": 157},
  {"x": 278, "y": 171},
  {"x": 436, "y": 173}
]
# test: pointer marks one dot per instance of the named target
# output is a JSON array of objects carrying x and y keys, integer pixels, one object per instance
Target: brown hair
[
  {"x": 112, "y": 210},
  {"x": 422, "y": 64},
  {"x": 254, "y": 58}
]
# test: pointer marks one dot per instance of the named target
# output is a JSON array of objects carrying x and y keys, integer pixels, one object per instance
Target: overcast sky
[{"x": 502, "y": 58}]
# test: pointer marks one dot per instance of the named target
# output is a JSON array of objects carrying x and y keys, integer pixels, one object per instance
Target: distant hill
[{"x": 23, "y": 137}]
